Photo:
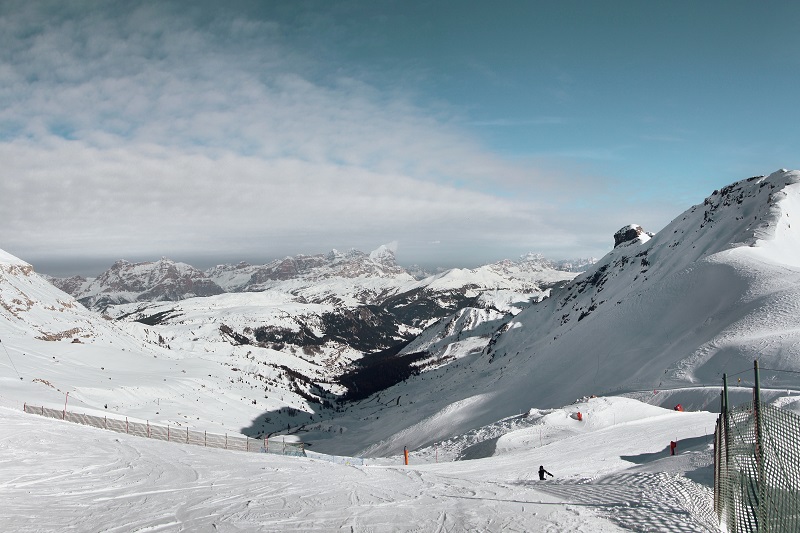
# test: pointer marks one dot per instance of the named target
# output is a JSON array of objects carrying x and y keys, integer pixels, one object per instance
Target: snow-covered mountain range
[
  {"x": 660, "y": 317},
  {"x": 351, "y": 277}
]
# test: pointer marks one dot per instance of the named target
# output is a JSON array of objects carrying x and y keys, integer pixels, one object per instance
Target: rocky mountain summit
[{"x": 127, "y": 282}]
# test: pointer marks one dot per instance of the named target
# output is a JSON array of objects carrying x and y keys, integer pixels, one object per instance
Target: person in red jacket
[{"x": 542, "y": 472}]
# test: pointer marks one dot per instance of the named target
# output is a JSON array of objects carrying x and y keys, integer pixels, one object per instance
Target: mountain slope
[{"x": 715, "y": 289}]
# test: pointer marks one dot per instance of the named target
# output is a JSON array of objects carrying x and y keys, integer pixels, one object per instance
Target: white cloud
[{"x": 144, "y": 132}]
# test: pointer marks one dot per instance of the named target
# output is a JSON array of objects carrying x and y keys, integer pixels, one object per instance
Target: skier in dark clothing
[{"x": 542, "y": 472}]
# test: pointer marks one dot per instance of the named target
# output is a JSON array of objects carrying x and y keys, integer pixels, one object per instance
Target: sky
[{"x": 468, "y": 132}]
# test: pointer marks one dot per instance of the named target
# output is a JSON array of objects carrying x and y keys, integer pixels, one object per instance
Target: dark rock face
[{"x": 627, "y": 234}]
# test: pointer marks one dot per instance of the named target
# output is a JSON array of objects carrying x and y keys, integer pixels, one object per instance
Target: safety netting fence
[
  {"x": 174, "y": 433},
  {"x": 757, "y": 469}
]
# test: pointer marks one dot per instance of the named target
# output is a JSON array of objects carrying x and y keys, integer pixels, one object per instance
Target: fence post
[
  {"x": 105, "y": 422},
  {"x": 226, "y": 441},
  {"x": 126, "y": 425},
  {"x": 148, "y": 429},
  {"x": 24, "y": 407},
  {"x": 761, "y": 487},
  {"x": 187, "y": 434},
  {"x": 246, "y": 443},
  {"x": 205, "y": 438}
]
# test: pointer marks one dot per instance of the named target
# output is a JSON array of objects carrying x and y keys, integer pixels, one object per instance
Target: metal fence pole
[{"x": 761, "y": 487}]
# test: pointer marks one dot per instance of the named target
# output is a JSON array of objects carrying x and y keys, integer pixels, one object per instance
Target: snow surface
[{"x": 612, "y": 472}]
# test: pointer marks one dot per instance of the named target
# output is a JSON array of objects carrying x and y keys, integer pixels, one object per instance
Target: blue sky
[{"x": 467, "y": 132}]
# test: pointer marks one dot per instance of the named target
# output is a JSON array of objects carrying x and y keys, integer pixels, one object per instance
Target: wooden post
[
  {"x": 148, "y": 429},
  {"x": 126, "y": 424},
  {"x": 167, "y": 432},
  {"x": 405, "y": 455},
  {"x": 226, "y": 441},
  {"x": 205, "y": 438},
  {"x": 187, "y": 434}
]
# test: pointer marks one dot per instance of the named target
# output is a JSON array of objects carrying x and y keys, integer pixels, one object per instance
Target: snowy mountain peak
[
  {"x": 384, "y": 254},
  {"x": 532, "y": 257}
]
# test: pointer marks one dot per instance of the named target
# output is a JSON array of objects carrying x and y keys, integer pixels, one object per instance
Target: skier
[{"x": 542, "y": 472}]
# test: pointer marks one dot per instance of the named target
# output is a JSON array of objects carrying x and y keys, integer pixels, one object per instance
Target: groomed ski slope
[{"x": 613, "y": 473}]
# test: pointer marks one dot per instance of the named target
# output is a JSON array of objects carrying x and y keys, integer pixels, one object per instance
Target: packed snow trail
[
  {"x": 56, "y": 476},
  {"x": 613, "y": 474}
]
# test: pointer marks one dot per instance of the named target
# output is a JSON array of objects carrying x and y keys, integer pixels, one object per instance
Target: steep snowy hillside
[
  {"x": 30, "y": 307},
  {"x": 714, "y": 290}
]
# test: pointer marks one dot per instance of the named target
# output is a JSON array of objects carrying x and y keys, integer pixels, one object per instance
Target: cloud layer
[{"x": 136, "y": 130}]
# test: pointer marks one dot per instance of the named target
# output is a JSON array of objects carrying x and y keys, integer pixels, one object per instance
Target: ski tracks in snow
[{"x": 642, "y": 501}]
